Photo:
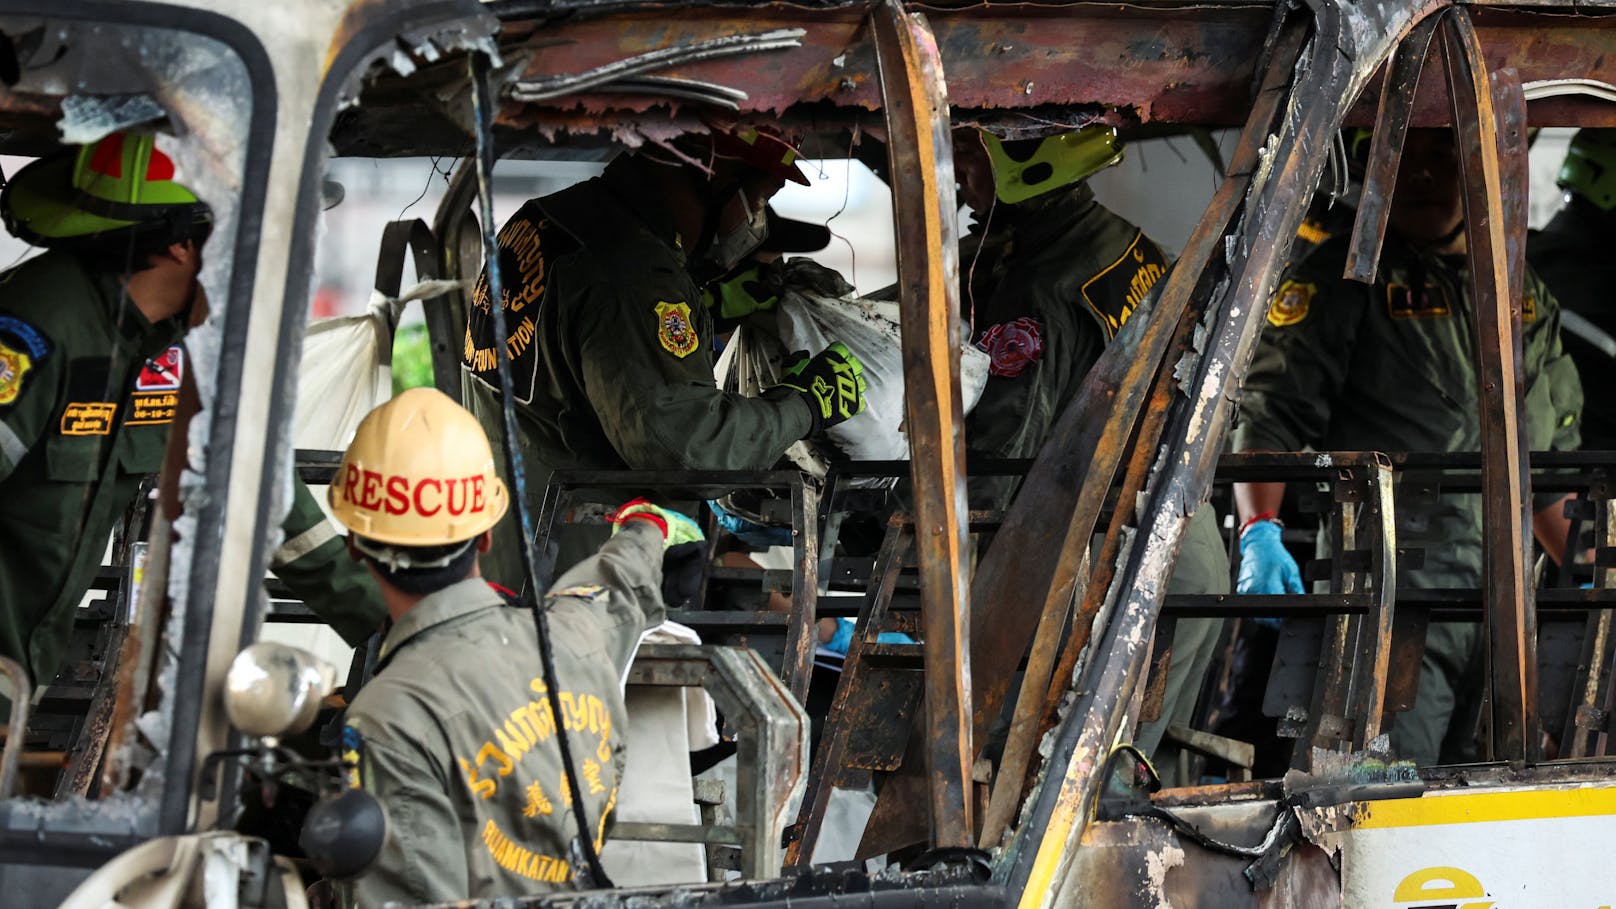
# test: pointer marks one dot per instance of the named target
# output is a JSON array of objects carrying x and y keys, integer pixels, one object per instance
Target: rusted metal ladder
[{"x": 867, "y": 727}]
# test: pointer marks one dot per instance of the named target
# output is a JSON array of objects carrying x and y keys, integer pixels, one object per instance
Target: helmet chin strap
[{"x": 398, "y": 559}]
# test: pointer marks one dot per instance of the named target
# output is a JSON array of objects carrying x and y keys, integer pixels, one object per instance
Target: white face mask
[{"x": 728, "y": 249}]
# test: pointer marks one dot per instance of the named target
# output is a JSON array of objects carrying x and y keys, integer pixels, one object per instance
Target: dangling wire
[
  {"x": 976, "y": 255},
  {"x": 1338, "y": 169},
  {"x": 847, "y": 195},
  {"x": 483, "y": 123}
]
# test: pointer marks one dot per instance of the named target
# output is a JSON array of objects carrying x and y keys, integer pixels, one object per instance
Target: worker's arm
[
  {"x": 1251, "y": 499},
  {"x": 1552, "y": 528},
  {"x": 606, "y": 601},
  {"x": 314, "y": 563},
  {"x": 1298, "y": 371},
  {"x": 424, "y": 858},
  {"x": 32, "y": 373},
  {"x": 1553, "y": 408},
  {"x": 646, "y": 360}
]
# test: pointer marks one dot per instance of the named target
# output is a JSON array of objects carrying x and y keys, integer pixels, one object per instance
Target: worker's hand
[
  {"x": 1265, "y": 565},
  {"x": 676, "y": 527},
  {"x": 841, "y": 638},
  {"x": 832, "y": 384},
  {"x": 738, "y": 296}
]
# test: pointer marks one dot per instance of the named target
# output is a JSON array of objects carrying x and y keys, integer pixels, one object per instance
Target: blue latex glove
[
  {"x": 747, "y": 531},
  {"x": 1265, "y": 565},
  {"x": 844, "y": 637}
]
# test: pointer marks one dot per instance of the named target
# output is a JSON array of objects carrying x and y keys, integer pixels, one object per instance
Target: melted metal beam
[
  {"x": 1397, "y": 95},
  {"x": 1032, "y": 564},
  {"x": 921, "y": 155},
  {"x": 1495, "y": 293}
]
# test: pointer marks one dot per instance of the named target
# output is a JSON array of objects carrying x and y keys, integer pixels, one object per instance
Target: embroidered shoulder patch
[
  {"x": 583, "y": 592},
  {"x": 157, "y": 389},
  {"x": 1012, "y": 346},
  {"x": 162, "y": 372},
  {"x": 529, "y": 245},
  {"x": 14, "y": 365},
  {"x": 1118, "y": 290},
  {"x": 1311, "y": 231},
  {"x": 353, "y": 756},
  {"x": 674, "y": 330},
  {"x": 1528, "y": 309},
  {"x": 22, "y": 336},
  {"x": 22, "y": 347},
  {"x": 1430, "y": 303},
  {"x": 1291, "y": 303}
]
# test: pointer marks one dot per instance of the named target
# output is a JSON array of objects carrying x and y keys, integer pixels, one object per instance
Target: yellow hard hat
[{"x": 418, "y": 473}]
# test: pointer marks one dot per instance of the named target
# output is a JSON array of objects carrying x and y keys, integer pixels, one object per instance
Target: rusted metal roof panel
[{"x": 1188, "y": 66}]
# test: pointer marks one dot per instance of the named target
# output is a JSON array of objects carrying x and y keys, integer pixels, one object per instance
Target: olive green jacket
[
  {"x": 83, "y": 419},
  {"x": 455, "y": 735},
  {"x": 612, "y": 349},
  {"x": 1054, "y": 281},
  {"x": 313, "y": 562},
  {"x": 88, "y": 390},
  {"x": 1345, "y": 366},
  {"x": 1572, "y": 255}
]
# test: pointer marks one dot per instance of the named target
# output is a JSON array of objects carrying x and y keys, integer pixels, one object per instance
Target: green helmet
[
  {"x": 121, "y": 182},
  {"x": 1590, "y": 167},
  {"x": 1055, "y": 161}
]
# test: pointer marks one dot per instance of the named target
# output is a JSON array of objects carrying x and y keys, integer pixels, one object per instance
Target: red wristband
[{"x": 1263, "y": 516}]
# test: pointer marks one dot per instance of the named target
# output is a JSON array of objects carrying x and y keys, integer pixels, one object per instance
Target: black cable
[
  {"x": 1276, "y": 829},
  {"x": 483, "y": 123}
]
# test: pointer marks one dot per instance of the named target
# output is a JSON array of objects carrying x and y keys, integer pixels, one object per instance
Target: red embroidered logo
[
  {"x": 1012, "y": 346},
  {"x": 162, "y": 372}
]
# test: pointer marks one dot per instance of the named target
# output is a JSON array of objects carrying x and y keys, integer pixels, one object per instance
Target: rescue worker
[
  {"x": 612, "y": 350},
  {"x": 1572, "y": 254},
  {"x": 1053, "y": 276},
  {"x": 1392, "y": 367},
  {"x": 91, "y": 369},
  {"x": 455, "y": 734}
]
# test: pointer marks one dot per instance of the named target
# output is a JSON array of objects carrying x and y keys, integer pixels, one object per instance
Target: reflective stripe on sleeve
[
  {"x": 11, "y": 444},
  {"x": 303, "y": 544}
]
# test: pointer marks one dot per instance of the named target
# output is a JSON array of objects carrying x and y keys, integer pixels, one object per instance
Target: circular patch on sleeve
[
  {"x": 1291, "y": 303},
  {"x": 22, "y": 347},
  {"x": 674, "y": 330},
  {"x": 1012, "y": 346},
  {"x": 14, "y": 364}
]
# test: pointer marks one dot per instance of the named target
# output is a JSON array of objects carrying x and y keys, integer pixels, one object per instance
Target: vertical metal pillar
[
  {"x": 802, "y": 634},
  {"x": 920, "y": 151},
  {"x": 1510, "y": 620}
]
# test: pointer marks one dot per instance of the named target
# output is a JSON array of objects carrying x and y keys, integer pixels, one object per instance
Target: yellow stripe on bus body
[{"x": 1484, "y": 807}]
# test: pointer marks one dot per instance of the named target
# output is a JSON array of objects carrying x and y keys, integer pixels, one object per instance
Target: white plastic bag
[
  {"x": 809, "y": 320},
  {"x": 347, "y": 368}
]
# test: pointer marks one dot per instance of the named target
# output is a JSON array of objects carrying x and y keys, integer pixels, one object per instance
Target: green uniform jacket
[
  {"x": 1055, "y": 280},
  {"x": 313, "y": 562},
  {"x": 83, "y": 418},
  {"x": 1572, "y": 255},
  {"x": 456, "y": 738},
  {"x": 612, "y": 351},
  {"x": 1346, "y": 366},
  {"x": 88, "y": 390}
]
